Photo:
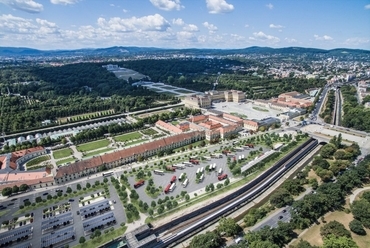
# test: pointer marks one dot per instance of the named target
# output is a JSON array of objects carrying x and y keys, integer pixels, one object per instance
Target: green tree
[
  {"x": 88, "y": 185},
  {"x": 228, "y": 226},
  {"x": 69, "y": 190},
  {"x": 78, "y": 186},
  {"x": 304, "y": 244},
  {"x": 207, "y": 240},
  {"x": 82, "y": 240},
  {"x": 6, "y": 191},
  {"x": 356, "y": 227},
  {"x": 23, "y": 187},
  {"x": 281, "y": 198},
  {"x": 327, "y": 150},
  {"x": 293, "y": 186},
  {"x": 361, "y": 211},
  {"x": 334, "y": 228},
  {"x": 333, "y": 241},
  {"x": 15, "y": 189}
]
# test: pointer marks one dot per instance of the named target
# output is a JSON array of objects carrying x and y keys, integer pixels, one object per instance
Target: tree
[
  {"x": 281, "y": 198},
  {"x": 356, "y": 227},
  {"x": 304, "y": 244},
  {"x": 78, "y": 186},
  {"x": 15, "y": 189},
  {"x": 361, "y": 211},
  {"x": 228, "y": 226},
  {"x": 82, "y": 240},
  {"x": 207, "y": 240},
  {"x": 339, "y": 242},
  {"x": 327, "y": 150},
  {"x": 23, "y": 187},
  {"x": 6, "y": 191},
  {"x": 69, "y": 190},
  {"x": 153, "y": 204},
  {"x": 293, "y": 186},
  {"x": 334, "y": 228},
  {"x": 366, "y": 196},
  {"x": 88, "y": 185}
]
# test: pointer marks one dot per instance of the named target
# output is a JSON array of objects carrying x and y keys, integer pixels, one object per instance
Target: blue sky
[{"x": 72, "y": 24}]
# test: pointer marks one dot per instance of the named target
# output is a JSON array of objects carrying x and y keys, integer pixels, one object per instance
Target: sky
[{"x": 225, "y": 24}]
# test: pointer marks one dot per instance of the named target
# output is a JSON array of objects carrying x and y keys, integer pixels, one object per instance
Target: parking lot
[{"x": 190, "y": 171}]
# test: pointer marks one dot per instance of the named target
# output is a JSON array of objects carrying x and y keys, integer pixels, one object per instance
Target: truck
[
  {"x": 173, "y": 179},
  {"x": 187, "y": 164},
  {"x": 222, "y": 177},
  {"x": 179, "y": 166},
  {"x": 170, "y": 168},
  {"x": 194, "y": 161},
  {"x": 220, "y": 171},
  {"x": 249, "y": 145},
  {"x": 172, "y": 187},
  {"x": 182, "y": 175},
  {"x": 158, "y": 172},
  {"x": 185, "y": 183},
  {"x": 167, "y": 189},
  {"x": 139, "y": 183},
  {"x": 201, "y": 178}
]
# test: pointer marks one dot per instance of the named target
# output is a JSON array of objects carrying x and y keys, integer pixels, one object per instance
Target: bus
[
  {"x": 201, "y": 170},
  {"x": 107, "y": 174},
  {"x": 198, "y": 170},
  {"x": 158, "y": 172},
  {"x": 214, "y": 166},
  {"x": 173, "y": 186},
  {"x": 179, "y": 166},
  {"x": 201, "y": 178},
  {"x": 185, "y": 183},
  {"x": 220, "y": 171},
  {"x": 181, "y": 175}
]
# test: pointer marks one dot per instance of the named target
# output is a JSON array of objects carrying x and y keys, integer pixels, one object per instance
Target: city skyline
[{"x": 223, "y": 24}]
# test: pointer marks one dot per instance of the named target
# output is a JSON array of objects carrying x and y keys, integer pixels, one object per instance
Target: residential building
[{"x": 198, "y": 101}]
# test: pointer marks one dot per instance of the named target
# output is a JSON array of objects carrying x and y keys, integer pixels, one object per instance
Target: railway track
[{"x": 191, "y": 223}]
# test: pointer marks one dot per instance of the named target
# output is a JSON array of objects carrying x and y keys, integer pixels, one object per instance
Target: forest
[
  {"x": 31, "y": 95},
  {"x": 355, "y": 114}
]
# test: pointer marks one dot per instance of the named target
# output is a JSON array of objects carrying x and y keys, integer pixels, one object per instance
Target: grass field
[
  {"x": 37, "y": 160},
  {"x": 64, "y": 161},
  {"x": 99, "y": 152},
  {"x": 260, "y": 109},
  {"x": 126, "y": 73},
  {"x": 149, "y": 131},
  {"x": 93, "y": 145},
  {"x": 85, "y": 116},
  {"x": 128, "y": 136},
  {"x": 239, "y": 115},
  {"x": 135, "y": 142},
  {"x": 184, "y": 91},
  {"x": 62, "y": 153},
  {"x": 168, "y": 88},
  {"x": 153, "y": 113}
]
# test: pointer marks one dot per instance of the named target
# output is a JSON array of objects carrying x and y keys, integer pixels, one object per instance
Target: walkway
[{"x": 352, "y": 197}]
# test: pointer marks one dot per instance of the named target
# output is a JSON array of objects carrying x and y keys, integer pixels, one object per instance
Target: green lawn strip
[
  {"x": 63, "y": 161},
  {"x": 93, "y": 145},
  {"x": 98, "y": 152},
  {"x": 260, "y": 109},
  {"x": 127, "y": 137},
  {"x": 195, "y": 144},
  {"x": 62, "y": 153},
  {"x": 38, "y": 160},
  {"x": 4, "y": 212},
  {"x": 149, "y": 131},
  {"x": 135, "y": 142}
]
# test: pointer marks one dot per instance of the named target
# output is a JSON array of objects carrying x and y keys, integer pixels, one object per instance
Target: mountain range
[{"x": 130, "y": 51}]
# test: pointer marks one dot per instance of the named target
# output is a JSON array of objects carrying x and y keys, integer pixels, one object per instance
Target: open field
[
  {"x": 37, "y": 160},
  {"x": 260, "y": 109},
  {"x": 313, "y": 236},
  {"x": 153, "y": 113},
  {"x": 62, "y": 153},
  {"x": 98, "y": 152},
  {"x": 184, "y": 91},
  {"x": 63, "y": 161},
  {"x": 93, "y": 145},
  {"x": 167, "y": 88},
  {"x": 127, "y": 137},
  {"x": 135, "y": 142},
  {"x": 149, "y": 131},
  {"x": 126, "y": 73}
]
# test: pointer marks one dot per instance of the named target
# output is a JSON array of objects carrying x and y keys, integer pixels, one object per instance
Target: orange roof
[
  {"x": 21, "y": 153},
  {"x": 21, "y": 176},
  {"x": 28, "y": 182},
  {"x": 2, "y": 162}
]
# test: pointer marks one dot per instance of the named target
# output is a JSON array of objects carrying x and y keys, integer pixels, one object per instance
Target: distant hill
[{"x": 119, "y": 51}]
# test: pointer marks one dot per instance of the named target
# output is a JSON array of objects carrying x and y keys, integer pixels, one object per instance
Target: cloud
[
  {"x": 356, "y": 41},
  {"x": 260, "y": 36},
  {"x": 191, "y": 28},
  {"x": 124, "y": 10},
  {"x": 154, "y": 22},
  {"x": 246, "y": 26},
  {"x": 211, "y": 28},
  {"x": 178, "y": 22},
  {"x": 367, "y": 6},
  {"x": 167, "y": 5},
  {"x": 270, "y": 6},
  {"x": 14, "y": 24},
  {"x": 219, "y": 6},
  {"x": 29, "y": 6},
  {"x": 325, "y": 37},
  {"x": 275, "y": 26},
  {"x": 290, "y": 40},
  {"x": 64, "y": 2}
]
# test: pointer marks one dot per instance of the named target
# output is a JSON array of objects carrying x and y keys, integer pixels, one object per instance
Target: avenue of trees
[
  {"x": 8, "y": 191},
  {"x": 355, "y": 114},
  {"x": 327, "y": 112}
]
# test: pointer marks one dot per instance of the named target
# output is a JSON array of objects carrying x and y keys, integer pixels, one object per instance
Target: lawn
[
  {"x": 64, "y": 161},
  {"x": 260, "y": 109},
  {"x": 62, "y": 153},
  {"x": 128, "y": 136},
  {"x": 184, "y": 91},
  {"x": 93, "y": 145},
  {"x": 149, "y": 131},
  {"x": 37, "y": 160},
  {"x": 313, "y": 236},
  {"x": 135, "y": 142},
  {"x": 90, "y": 154}
]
